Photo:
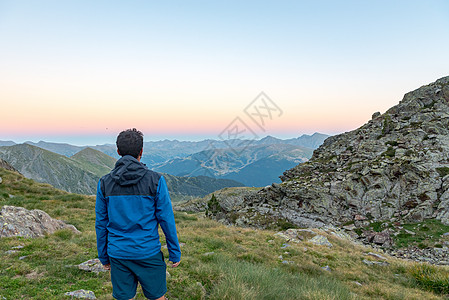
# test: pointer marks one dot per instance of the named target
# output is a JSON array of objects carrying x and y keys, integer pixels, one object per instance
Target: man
[{"x": 131, "y": 202}]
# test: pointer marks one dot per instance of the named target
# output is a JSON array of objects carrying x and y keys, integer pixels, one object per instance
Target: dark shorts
[{"x": 150, "y": 273}]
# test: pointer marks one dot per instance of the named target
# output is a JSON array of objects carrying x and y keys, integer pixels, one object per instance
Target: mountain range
[
  {"x": 258, "y": 164},
  {"x": 80, "y": 172}
]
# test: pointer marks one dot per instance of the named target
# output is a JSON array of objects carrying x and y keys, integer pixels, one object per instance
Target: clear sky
[{"x": 81, "y": 71}]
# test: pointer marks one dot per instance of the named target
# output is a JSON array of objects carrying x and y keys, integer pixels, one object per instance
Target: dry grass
[{"x": 245, "y": 262}]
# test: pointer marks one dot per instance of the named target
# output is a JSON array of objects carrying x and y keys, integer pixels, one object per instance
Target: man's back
[
  {"x": 131, "y": 202},
  {"x": 135, "y": 199}
]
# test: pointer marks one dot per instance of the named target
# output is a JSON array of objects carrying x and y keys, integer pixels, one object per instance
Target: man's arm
[
  {"x": 101, "y": 221},
  {"x": 166, "y": 218}
]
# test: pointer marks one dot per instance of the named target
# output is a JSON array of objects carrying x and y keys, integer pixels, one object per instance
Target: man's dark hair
[{"x": 130, "y": 142}]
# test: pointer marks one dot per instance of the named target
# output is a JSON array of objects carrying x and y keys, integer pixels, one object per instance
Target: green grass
[
  {"x": 245, "y": 263},
  {"x": 431, "y": 278},
  {"x": 427, "y": 234}
]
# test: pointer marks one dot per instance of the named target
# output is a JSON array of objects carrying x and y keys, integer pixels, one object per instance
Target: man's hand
[
  {"x": 175, "y": 264},
  {"x": 107, "y": 266}
]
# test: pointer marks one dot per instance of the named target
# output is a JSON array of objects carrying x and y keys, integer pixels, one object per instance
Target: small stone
[
  {"x": 357, "y": 283},
  {"x": 359, "y": 218},
  {"x": 82, "y": 294},
  {"x": 285, "y": 246},
  {"x": 378, "y": 263},
  {"x": 270, "y": 241},
  {"x": 378, "y": 256},
  {"x": 280, "y": 257},
  {"x": 167, "y": 274},
  {"x": 23, "y": 257},
  {"x": 1, "y": 180},
  {"x": 18, "y": 247},
  {"x": 288, "y": 262},
  {"x": 11, "y": 251},
  {"x": 326, "y": 268},
  {"x": 11, "y": 196},
  {"x": 209, "y": 253},
  {"x": 92, "y": 265},
  {"x": 349, "y": 227}
]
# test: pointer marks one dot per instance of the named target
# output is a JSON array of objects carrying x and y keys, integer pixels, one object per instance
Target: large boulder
[{"x": 18, "y": 221}]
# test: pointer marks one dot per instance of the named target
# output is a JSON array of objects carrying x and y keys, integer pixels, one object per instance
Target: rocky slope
[
  {"x": 5, "y": 165},
  {"x": 395, "y": 168}
]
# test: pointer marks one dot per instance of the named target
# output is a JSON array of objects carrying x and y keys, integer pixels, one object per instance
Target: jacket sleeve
[
  {"x": 166, "y": 218},
  {"x": 101, "y": 222}
]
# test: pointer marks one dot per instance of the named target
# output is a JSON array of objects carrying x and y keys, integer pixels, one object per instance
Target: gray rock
[
  {"x": 290, "y": 235},
  {"x": 326, "y": 268},
  {"x": 320, "y": 240},
  {"x": 285, "y": 246},
  {"x": 383, "y": 238},
  {"x": 92, "y": 265},
  {"x": 377, "y": 263},
  {"x": 209, "y": 253},
  {"x": 81, "y": 294},
  {"x": 1, "y": 180},
  {"x": 18, "y": 221},
  {"x": 375, "y": 255}
]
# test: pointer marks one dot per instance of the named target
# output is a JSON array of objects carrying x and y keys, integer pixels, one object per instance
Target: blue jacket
[{"x": 131, "y": 201}]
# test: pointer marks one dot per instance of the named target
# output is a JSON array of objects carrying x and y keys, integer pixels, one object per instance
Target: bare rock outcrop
[
  {"x": 18, "y": 221},
  {"x": 5, "y": 165}
]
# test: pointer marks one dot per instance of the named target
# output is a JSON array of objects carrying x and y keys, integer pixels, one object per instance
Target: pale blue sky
[{"x": 328, "y": 64}]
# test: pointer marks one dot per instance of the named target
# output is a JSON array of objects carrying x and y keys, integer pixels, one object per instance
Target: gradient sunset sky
[{"x": 81, "y": 71}]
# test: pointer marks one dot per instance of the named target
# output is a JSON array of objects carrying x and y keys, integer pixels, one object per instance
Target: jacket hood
[{"x": 128, "y": 171}]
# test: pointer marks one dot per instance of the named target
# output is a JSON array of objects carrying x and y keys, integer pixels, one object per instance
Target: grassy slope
[
  {"x": 245, "y": 264},
  {"x": 46, "y": 166},
  {"x": 95, "y": 161}
]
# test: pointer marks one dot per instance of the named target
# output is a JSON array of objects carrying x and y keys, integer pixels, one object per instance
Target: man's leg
[{"x": 124, "y": 282}]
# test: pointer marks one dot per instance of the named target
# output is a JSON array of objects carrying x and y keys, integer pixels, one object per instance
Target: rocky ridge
[
  {"x": 390, "y": 172},
  {"x": 395, "y": 168}
]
